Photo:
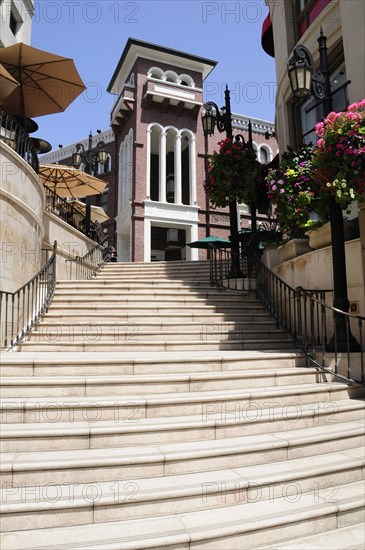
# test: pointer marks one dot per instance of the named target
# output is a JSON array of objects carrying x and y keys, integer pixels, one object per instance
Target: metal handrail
[
  {"x": 69, "y": 213},
  {"x": 20, "y": 310},
  {"x": 16, "y": 137},
  {"x": 303, "y": 314},
  {"x": 88, "y": 265}
]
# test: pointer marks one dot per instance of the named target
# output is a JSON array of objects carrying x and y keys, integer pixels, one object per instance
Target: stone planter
[
  {"x": 271, "y": 256},
  {"x": 294, "y": 248},
  {"x": 321, "y": 236}
]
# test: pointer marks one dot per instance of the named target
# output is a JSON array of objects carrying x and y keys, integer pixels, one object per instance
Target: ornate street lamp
[
  {"x": 305, "y": 81},
  {"x": 212, "y": 117},
  {"x": 91, "y": 158}
]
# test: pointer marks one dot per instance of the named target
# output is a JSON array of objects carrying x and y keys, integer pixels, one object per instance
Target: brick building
[{"x": 156, "y": 199}]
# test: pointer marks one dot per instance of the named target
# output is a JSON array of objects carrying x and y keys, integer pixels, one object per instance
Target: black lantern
[
  {"x": 208, "y": 121},
  {"x": 300, "y": 75},
  {"x": 91, "y": 158}
]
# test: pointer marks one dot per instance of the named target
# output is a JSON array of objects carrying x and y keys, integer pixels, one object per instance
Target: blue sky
[{"x": 94, "y": 33}]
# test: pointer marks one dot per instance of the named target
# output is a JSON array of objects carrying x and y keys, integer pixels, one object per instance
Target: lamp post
[
  {"x": 224, "y": 124},
  {"x": 305, "y": 81},
  {"x": 91, "y": 158}
]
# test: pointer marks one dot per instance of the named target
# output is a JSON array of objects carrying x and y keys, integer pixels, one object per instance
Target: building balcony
[{"x": 171, "y": 94}]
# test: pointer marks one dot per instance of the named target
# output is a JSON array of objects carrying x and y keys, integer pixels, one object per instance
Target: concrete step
[
  {"x": 83, "y": 386},
  {"x": 166, "y": 459},
  {"x": 181, "y": 297},
  {"x": 131, "y": 345},
  {"x": 241, "y": 527},
  {"x": 350, "y": 537},
  {"x": 125, "y": 314},
  {"x": 64, "y": 505},
  {"x": 116, "y": 285},
  {"x": 208, "y": 329},
  {"x": 136, "y": 406},
  {"x": 213, "y": 423},
  {"x": 137, "y": 363},
  {"x": 133, "y": 332}
]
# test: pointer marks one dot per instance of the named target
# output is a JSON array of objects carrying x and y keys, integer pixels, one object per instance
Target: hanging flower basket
[
  {"x": 232, "y": 174},
  {"x": 338, "y": 163},
  {"x": 302, "y": 185},
  {"x": 292, "y": 190}
]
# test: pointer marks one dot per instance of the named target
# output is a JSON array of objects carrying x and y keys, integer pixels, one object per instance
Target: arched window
[
  {"x": 264, "y": 155},
  {"x": 186, "y": 80},
  {"x": 170, "y": 76},
  {"x": 171, "y": 170},
  {"x": 155, "y": 72}
]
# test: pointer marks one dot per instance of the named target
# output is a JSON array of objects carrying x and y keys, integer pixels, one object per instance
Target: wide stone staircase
[{"x": 150, "y": 410}]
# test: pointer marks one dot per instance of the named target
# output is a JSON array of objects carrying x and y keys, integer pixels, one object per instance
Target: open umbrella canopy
[
  {"x": 7, "y": 84},
  {"x": 210, "y": 242},
  {"x": 97, "y": 213},
  {"x": 67, "y": 181},
  {"x": 48, "y": 83}
]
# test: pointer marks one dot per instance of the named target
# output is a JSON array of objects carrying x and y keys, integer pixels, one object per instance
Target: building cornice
[
  {"x": 138, "y": 48},
  {"x": 66, "y": 152}
]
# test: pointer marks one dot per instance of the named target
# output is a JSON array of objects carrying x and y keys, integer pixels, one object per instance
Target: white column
[
  {"x": 162, "y": 160},
  {"x": 192, "y": 171},
  {"x": 130, "y": 168},
  {"x": 147, "y": 241},
  {"x": 124, "y": 179},
  {"x": 148, "y": 164},
  {"x": 193, "y": 252},
  {"x": 120, "y": 179},
  {"x": 177, "y": 170}
]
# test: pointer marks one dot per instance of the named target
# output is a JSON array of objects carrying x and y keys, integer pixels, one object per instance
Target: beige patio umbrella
[
  {"x": 48, "y": 83},
  {"x": 7, "y": 84},
  {"x": 69, "y": 182},
  {"x": 97, "y": 213}
]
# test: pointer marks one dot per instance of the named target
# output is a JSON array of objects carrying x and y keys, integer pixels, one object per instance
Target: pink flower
[{"x": 320, "y": 129}]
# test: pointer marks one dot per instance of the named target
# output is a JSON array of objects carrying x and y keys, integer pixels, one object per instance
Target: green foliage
[{"x": 232, "y": 174}]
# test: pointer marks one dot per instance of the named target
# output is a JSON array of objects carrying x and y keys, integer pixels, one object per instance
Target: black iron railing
[
  {"x": 88, "y": 265},
  {"x": 14, "y": 135},
  {"x": 70, "y": 213},
  {"x": 221, "y": 263},
  {"x": 20, "y": 310},
  {"x": 304, "y": 314}
]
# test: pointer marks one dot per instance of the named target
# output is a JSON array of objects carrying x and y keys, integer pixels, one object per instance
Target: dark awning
[{"x": 267, "y": 39}]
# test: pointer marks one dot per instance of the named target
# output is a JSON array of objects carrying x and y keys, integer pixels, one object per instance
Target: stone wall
[
  {"x": 21, "y": 230},
  {"x": 70, "y": 244}
]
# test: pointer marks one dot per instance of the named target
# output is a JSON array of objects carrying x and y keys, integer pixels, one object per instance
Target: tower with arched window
[{"x": 160, "y": 154}]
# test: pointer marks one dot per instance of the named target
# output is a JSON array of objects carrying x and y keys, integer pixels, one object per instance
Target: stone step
[
  {"x": 197, "y": 327},
  {"x": 83, "y": 386},
  {"x": 133, "y": 332},
  {"x": 245, "y": 526},
  {"x": 136, "y": 406},
  {"x": 65, "y": 505},
  {"x": 147, "y": 286},
  {"x": 153, "y": 296},
  {"x": 168, "y": 362},
  {"x": 350, "y": 537},
  {"x": 138, "y": 307},
  {"x": 252, "y": 419},
  {"x": 283, "y": 343},
  {"x": 68, "y": 315},
  {"x": 166, "y": 459}
]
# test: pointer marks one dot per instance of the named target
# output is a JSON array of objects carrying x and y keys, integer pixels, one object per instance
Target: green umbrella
[{"x": 210, "y": 242}]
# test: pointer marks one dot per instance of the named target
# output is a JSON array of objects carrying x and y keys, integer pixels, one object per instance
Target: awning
[{"x": 267, "y": 39}]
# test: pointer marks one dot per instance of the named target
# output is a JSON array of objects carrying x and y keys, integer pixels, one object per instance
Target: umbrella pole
[{"x": 87, "y": 215}]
